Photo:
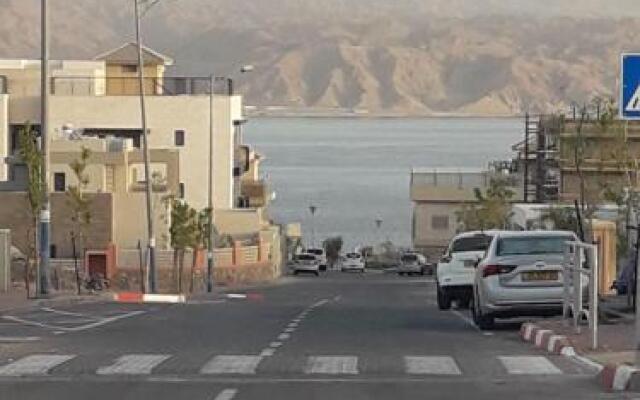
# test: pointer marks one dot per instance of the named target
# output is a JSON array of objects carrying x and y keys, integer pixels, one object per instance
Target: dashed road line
[
  {"x": 529, "y": 365},
  {"x": 38, "y": 364},
  {"x": 134, "y": 364},
  {"x": 227, "y": 394},
  {"x": 236, "y": 364},
  {"x": 431, "y": 365},
  {"x": 18, "y": 339},
  {"x": 332, "y": 365}
]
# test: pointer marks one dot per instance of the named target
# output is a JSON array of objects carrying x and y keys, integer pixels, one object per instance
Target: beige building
[
  {"x": 437, "y": 196},
  {"x": 94, "y": 104}
]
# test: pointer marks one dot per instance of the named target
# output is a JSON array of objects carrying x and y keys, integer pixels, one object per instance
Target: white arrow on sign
[{"x": 634, "y": 103}]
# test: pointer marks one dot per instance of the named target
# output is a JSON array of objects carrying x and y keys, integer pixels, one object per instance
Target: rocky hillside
[{"x": 403, "y": 56}]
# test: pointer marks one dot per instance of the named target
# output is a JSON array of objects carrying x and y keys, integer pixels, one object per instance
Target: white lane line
[
  {"x": 332, "y": 365},
  {"x": 289, "y": 330},
  {"x": 236, "y": 296},
  {"x": 100, "y": 322},
  {"x": 133, "y": 364},
  {"x": 529, "y": 365},
  {"x": 37, "y": 364},
  {"x": 227, "y": 394},
  {"x": 231, "y": 365},
  {"x": 18, "y": 339},
  {"x": 275, "y": 344},
  {"x": 431, "y": 365},
  {"x": 293, "y": 324},
  {"x": 470, "y": 322},
  {"x": 68, "y": 313},
  {"x": 284, "y": 336},
  {"x": 267, "y": 352}
]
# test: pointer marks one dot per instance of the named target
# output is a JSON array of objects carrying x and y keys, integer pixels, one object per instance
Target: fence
[
  {"x": 129, "y": 86},
  {"x": 580, "y": 262}
]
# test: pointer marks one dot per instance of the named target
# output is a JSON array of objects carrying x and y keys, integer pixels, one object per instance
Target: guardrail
[{"x": 580, "y": 261}]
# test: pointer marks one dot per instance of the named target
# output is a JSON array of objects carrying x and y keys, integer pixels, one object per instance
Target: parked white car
[
  {"x": 320, "y": 255},
  {"x": 455, "y": 272},
  {"x": 412, "y": 263},
  {"x": 521, "y": 275},
  {"x": 353, "y": 262},
  {"x": 306, "y": 263}
]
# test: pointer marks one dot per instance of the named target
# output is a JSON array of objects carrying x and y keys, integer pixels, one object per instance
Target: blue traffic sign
[{"x": 630, "y": 86}]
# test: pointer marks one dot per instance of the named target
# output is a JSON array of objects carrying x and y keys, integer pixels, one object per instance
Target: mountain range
[{"x": 400, "y": 57}]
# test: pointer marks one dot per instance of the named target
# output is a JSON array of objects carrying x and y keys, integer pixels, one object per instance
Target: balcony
[
  {"x": 254, "y": 194},
  {"x": 129, "y": 86}
]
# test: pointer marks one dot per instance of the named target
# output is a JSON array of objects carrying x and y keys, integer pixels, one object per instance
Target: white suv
[
  {"x": 456, "y": 270},
  {"x": 320, "y": 255}
]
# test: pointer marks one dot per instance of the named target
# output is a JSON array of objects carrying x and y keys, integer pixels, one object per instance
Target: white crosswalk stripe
[
  {"x": 529, "y": 365},
  {"x": 133, "y": 364},
  {"x": 231, "y": 365},
  {"x": 38, "y": 364},
  {"x": 332, "y": 365},
  {"x": 431, "y": 365}
]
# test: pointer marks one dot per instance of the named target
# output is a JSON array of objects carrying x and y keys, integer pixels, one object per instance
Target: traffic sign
[{"x": 630, "y": 86}]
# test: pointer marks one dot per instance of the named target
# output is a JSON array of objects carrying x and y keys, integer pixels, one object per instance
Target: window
[
  {"x": 130, "y": 69},
  {"x": 526, "y": 245},
  {"x": 472, "y": 243},
  {"x": 179, "y": 137},
  {"x": 59, "y": 182},
  {"x": 181, "y": 190},
  {"x": 440, "y": 222}
]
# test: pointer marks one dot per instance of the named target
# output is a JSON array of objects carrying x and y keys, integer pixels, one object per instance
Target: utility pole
[
  {"x": 45, "y": 213},
  {"x": 151, "y": 285},
  {"x": 210, "y": 239}
]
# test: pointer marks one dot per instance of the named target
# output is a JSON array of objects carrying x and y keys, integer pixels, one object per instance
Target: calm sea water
[{"x": 358, "y": 170}]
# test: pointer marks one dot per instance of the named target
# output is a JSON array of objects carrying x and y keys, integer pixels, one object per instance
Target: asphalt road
[{"x": 339, "y": 336}]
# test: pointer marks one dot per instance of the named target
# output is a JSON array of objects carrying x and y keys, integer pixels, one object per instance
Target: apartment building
[{"x": 95, "y": 104}]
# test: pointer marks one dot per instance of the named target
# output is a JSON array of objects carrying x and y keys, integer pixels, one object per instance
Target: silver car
[{"x": 520, "y": 275}]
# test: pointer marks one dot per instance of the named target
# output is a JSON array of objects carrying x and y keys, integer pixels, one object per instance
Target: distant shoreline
[{"x": 347, "y": 115}]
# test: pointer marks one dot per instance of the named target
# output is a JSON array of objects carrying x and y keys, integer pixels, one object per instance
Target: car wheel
[
  {"x": 444, "y": 300},
  {"x": 482, "y": 321},
  {"x": 317, "y": 273}
]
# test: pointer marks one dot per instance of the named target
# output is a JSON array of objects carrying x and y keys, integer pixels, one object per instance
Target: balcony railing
[{"x": 129, "y": 86}]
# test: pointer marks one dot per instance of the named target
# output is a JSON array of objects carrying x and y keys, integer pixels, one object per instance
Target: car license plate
[{"x": 540, "y": 276}]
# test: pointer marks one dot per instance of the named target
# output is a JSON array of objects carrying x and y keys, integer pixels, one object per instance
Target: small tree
[
  {"x": 80, "y": 204},
  {"x": 200, "y": 239},
  {"x": 182, "y": 232},
  {"x": 332, "y": 247},
  {"x": 492, "y": 209},
  {"x": 32, "y": 158}
]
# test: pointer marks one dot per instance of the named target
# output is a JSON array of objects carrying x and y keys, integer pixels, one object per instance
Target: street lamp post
[
  {"x": 151, "y": 285},
  {"x": 45, "y": 213},
  {"x": 312, "y": 210},
  {"x": 378, "y": 226}
]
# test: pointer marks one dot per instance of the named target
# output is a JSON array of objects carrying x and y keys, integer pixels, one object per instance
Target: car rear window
[
  {"x": 472, "y": 243},
  {"x": 532, "y": 245},
  {"x": 353, "y": 255},
  {"x": 409, "y": 258},
  {"x": 306, "y": 257},
  {"x": 317, "y": 252}
]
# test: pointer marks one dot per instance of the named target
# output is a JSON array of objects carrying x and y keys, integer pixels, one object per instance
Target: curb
[
  {"x": 136, "y": 297},
  {"x": 58, "y": 301},
  {"x": 615, "y": 378}
]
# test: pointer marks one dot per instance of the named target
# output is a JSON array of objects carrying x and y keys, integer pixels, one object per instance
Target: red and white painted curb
[
  {"x": 546, "y": 339},
  {"x": 612, "y": 377},
  {"x": 136, "y": 297},
  {"x": 620, "y": 377}
]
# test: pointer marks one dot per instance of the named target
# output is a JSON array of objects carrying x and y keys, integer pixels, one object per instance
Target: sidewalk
[{"x": 17, "y": 299}]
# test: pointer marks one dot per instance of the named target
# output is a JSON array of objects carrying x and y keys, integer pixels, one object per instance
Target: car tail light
[{"x": 494, "y": 269}]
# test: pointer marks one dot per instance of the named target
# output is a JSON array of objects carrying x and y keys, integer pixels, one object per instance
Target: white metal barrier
[{"x": 580, "y": 262}]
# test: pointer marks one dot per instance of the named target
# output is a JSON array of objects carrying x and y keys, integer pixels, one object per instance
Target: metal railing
[
  {"x": 580, "y": 262},
  {"x": 128, "y": 86}
]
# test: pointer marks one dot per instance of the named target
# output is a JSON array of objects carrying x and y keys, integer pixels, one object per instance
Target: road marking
[
  {"x": 133, "y": 364},
  {"x": 236, "y": 296},
  {"x": 529, "y": 365},
  {"x": 431, "y": 365},
  {"x": 290, "y": 329},
  {"x": 69, "y": 313},
  {"x": 332, "y": 365},
  {"x": 267, "y": 352},
  {"x": 231, "y": 365},
  {"x": 470, "y": 322},
  {"x": 96, "y": 324},
  {"x": 34, "y": 365},
  {"x": 227, "y": 394},
  {"x": 284, "y": 336},
  {"x": 18, "y": 339},
  {"x": 275, "y": 344}
]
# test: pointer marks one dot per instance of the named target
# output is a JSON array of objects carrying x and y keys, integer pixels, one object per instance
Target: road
[{"x": 339, "y": 336}]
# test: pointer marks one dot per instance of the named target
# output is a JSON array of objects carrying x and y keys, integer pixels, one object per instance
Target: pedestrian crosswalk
[{"x": 312, "y": 365}]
